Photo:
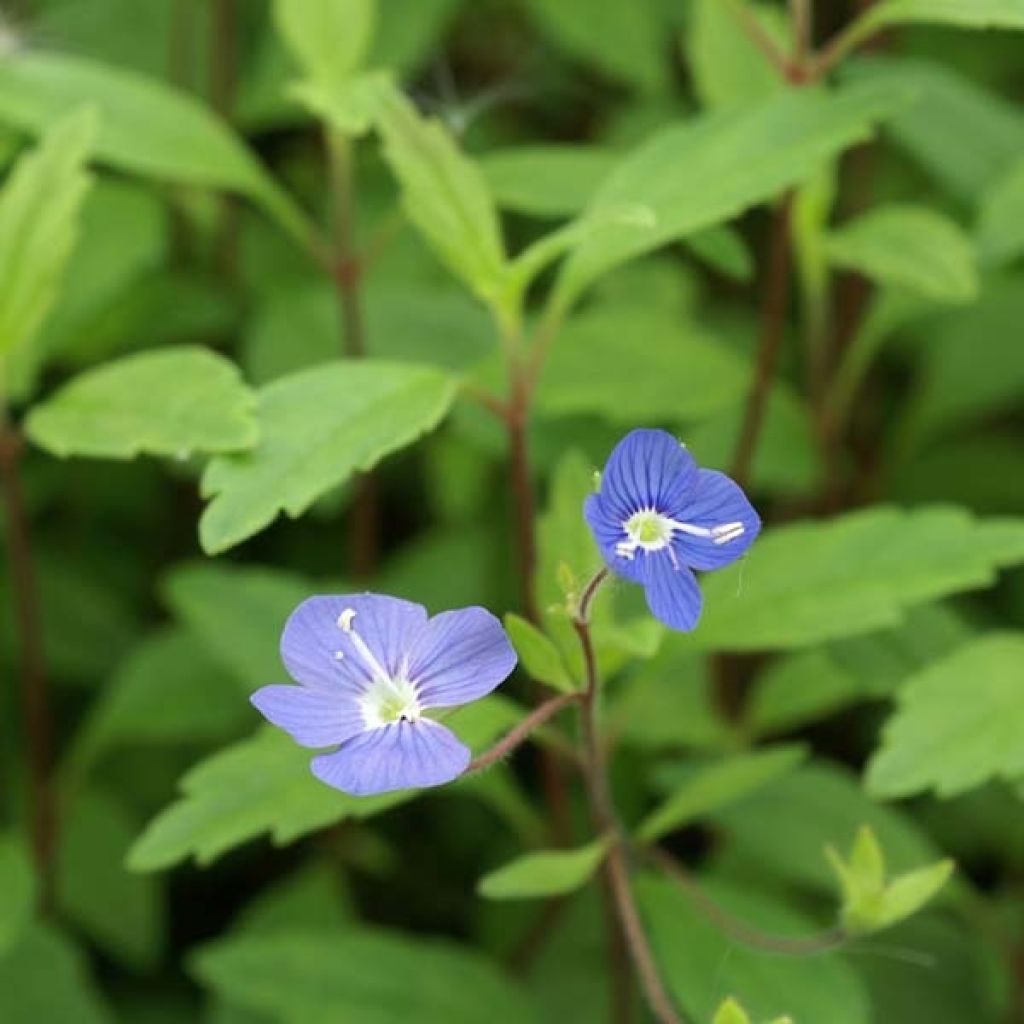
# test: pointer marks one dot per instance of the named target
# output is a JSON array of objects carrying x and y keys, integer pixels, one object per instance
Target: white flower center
[
  {"x": 649, "y": 530},
  {"x": 387, "y": 699}
]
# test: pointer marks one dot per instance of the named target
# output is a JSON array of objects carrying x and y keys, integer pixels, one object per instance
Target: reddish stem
[{"x": 512, "y": 739}]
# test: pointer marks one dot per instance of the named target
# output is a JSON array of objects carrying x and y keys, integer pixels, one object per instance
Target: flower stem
[
  {"x": 606, "y": 820},
  {"x": 35, "y": 692},
  {"x": 512, "y": 739}
]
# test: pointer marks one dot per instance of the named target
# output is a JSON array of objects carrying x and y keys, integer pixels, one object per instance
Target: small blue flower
[
  {"x": 657, "y": 516},
  {"x": 369, "y": 667}
]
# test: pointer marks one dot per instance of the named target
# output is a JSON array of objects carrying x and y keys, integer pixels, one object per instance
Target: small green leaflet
[
  {"x": 317, "y": 428},
  {"x": 172, "y": 401},
  {"x": 543, "y": 874},
  {"x": 731, "y": 1012},
  {"x": 39, "y": 209},
  {"x": 538, "y": 654},
  {"x": 958, "y": 723},
  {"x": 329, "y": 38}
]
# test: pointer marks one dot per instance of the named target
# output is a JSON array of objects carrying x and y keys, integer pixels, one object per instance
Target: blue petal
[
  {"x": 714, "y": 501},
  {"x": 608, "y": 531},
  {"x": 313, "y": 717},
  {"x": 312, "y": 638},
  {"x": 647, "y": 469},
  {"x": 406, "y": 755},
  {"x": 459, "y": 656},
  {"x": 672, "y": 592}
]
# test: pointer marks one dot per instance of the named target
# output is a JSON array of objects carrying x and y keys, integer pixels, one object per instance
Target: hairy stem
[
  {"x": 512, "y": 739},
  {"x": 34, "y": 689}
]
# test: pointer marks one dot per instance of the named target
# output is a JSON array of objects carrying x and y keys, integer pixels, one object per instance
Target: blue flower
[
  {"x": 369, "y": 668},
  {"x": 657, "y": 516}
]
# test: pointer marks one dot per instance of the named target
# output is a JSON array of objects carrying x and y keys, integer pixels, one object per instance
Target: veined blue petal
[
  {"x": 647, "y": 469},
  {"x": 716, "y": 501},
  {"x": 671, "y": 591},
  {"x": 312, "y": 716},
  {"x": 608, "y": 532},
  {"x": 459, "y": 656},
  {"x": 405, "y": 755}
]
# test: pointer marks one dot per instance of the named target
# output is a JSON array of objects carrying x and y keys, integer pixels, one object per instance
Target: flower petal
[
  {"x": 312, "y": 637},
  {"x": 459, "y": 656},
  {"x": 671, "y": 590},
  {"x": 405, "y": 755},
  {"x": 716, "y": 500},
  {"x": 313, "y": 717},
  {"x": 608, "y": 531},
  {"x": 647, "y": 469}
]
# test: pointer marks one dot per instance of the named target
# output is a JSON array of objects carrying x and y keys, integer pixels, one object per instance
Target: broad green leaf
[
  {"x": 728, "y": 68},
  {"x": 318, "y": 427},
  {"x": 17, "y": 890},
  {"x": 172, "y": 401},
  {"x": 700, "y": 963},
  {"x": 543, "y": 874},
  {"x": 546, "y": 181},
  {"x": 1006, "y": 14},
  {"x": 1000, "y": 229},
  {"x": 146, "y": 127},
  {"x": 443, "y": 192},
  {"x": 707, "y": 171},
  {"x": 264, "y": 784},
  {"x": 44, "y": 977},
  {"x": 39, "y": 212},
  {"x": 91, "y": 881},
  {"x": 623, "y": 40},
  {"x": 329, "y": 38},
  {"x": 816, "y": 581},
  {"x": 958, "y": 723},
  {"x": 538, "y": 654},
  {"x": 371, "y": 976},
  {"x": 910, "y": 247},
  {"x": 808, "y": 685},
  {"x": 237, "y": 612},
  {"x": 716, "y": 785},
  {"x": 676, "y": 370}
]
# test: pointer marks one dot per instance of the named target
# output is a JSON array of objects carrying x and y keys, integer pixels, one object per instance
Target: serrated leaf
[
  {"x": 371, "y": 976},
  {"x": 39, "y": 210},
  {"x": 538, "y": 654},
  {"x": 329, "y": 38},
  {"x": 910, "y": 247},
  {"x": 264, "y": 784},
  {"x": 704, "y": 172},
  {"x": 146, "y": 127},
  {"x": 716, "y": 785},
  {"x": 811, "y": 582},
  {"x": 543, "y": 874},
  {"x": 318, "y": 427},
  {"x": 172, "y": 401},
  {"x": 958, "y": 723},
  {"x": 17, "y": 890}
]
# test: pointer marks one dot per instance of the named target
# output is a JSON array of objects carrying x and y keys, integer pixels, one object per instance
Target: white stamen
[
  {"x": 364, "y": 652},
  {"x": 650, "y": 531}
]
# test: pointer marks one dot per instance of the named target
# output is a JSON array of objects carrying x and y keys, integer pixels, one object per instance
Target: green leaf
[
  {"x": 816, "y": 581},
  {"x": 370, "y": 976},
  {"x": 677, "y": 371},
  {"x": 17, "y": 890},
  {"x": 45, "y": 978},
  {"x": 538, "y": 654},
  {"x": 958, "y": 723},
  {"x": 544, "y": 874},
  {"x": 623, "y": 40},
  {"x": 716, "y": 785},
  {"x": 264, "y": 784},
  {"x": 91, "y": 880},
  {"x": 237, "y": 612},
  {"x": 724, "y": 250},
  {"x": 699, "y": 962},
  {"x": 443, "y": 192},
  {"x": 313, "y": 896},
  {"x": 39, "y": 209},
  {"x": 911, "y": 247},
  {"x": 1007, "y": 14},
  {"x": 1000, "y": 228},
  {"x": 730, "y": 1012},
  {"x": 704, "y": 172},
  {"x": 172, "y": 401},
  {"x": 318, "y": 427},
  {"x": 330, "y": 38},
  {"x": 909, "y": 893},
  {"x": 146, "y": 127}
]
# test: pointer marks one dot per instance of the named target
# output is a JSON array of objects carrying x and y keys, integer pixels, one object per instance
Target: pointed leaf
[
  {"x": 907, "y": 894},
  {"x": 538, "y": 654},
  {"x": 544, "y": 874},
  {"x": 17, "y": 890},
  {"x": 329, "y": 38}
]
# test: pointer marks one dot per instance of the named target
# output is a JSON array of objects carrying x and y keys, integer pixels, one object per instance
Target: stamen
[
  {"x": 651, "y": 531},
  {"x": 364, "y": 652}
]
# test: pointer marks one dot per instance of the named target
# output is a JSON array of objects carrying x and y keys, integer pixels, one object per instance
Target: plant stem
[
  {"x": 512, "y": 739},
  {"x": 606, "y": 820},
  {"x": 802, "y": 20},
  {"x": 773, "y": 322},
  {"x": 35, "y": 693},
  {"x": 223, "y": 71},
  {"x": 760, "y": 37},
  {"x": 347, "y": 272}
]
